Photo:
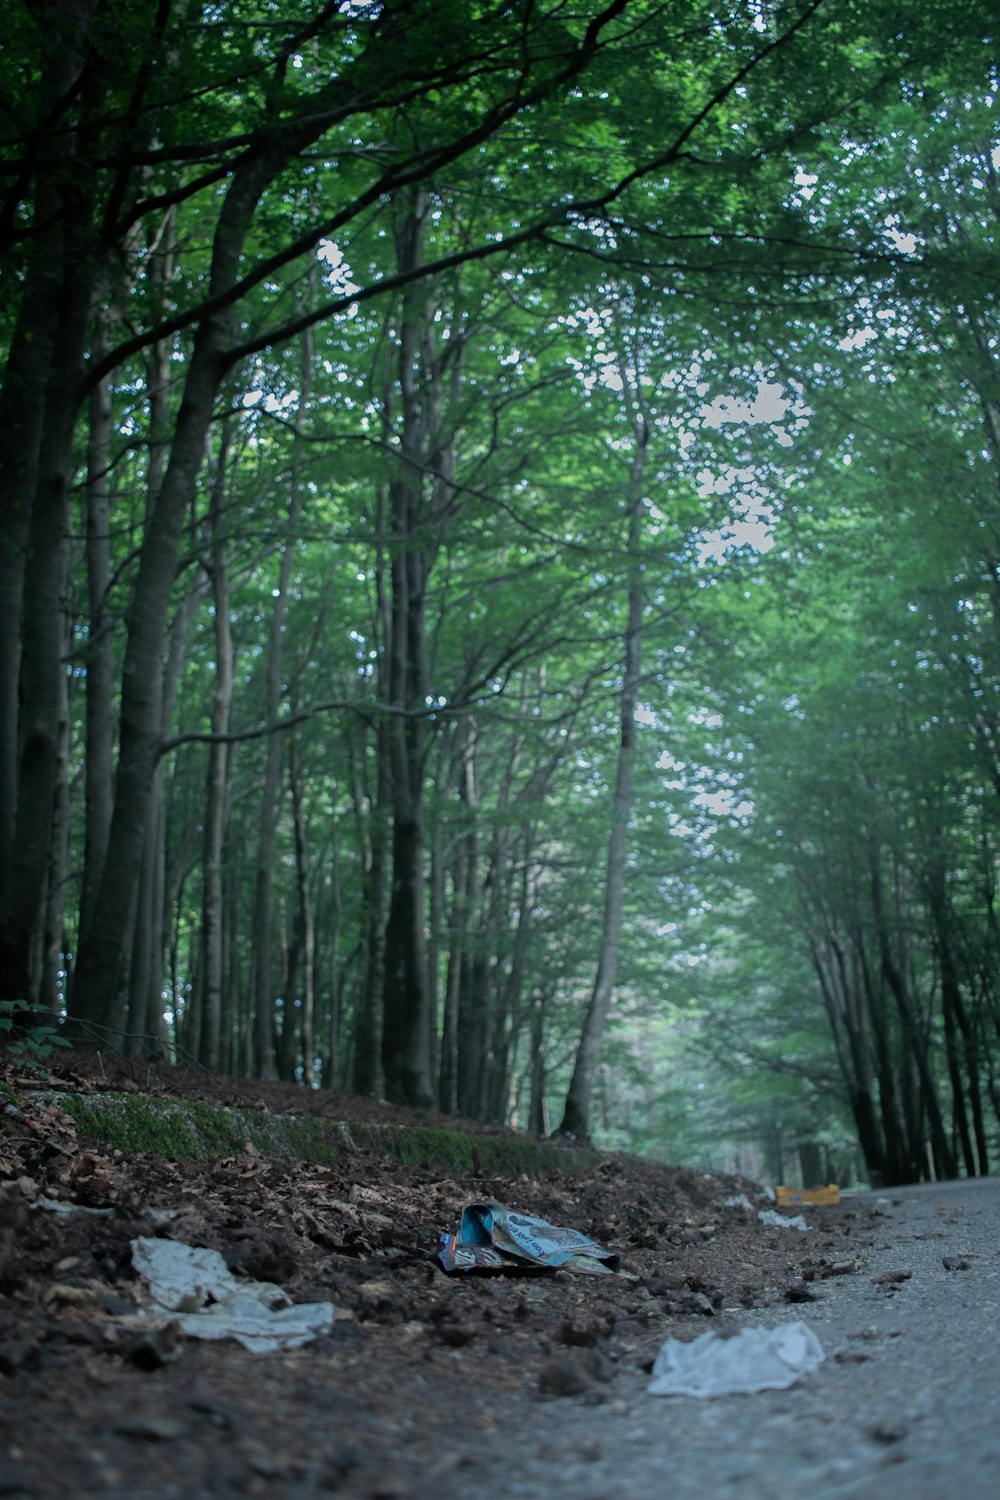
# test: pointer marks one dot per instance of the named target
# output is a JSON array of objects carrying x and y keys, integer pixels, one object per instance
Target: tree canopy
[{"x": 500, "y": 558}]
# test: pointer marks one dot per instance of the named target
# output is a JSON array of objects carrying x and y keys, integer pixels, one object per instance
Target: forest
[{"x": 500, "y": 560}]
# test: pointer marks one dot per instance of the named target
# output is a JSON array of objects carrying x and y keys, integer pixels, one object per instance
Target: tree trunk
[
  {"x": 99, "y": 750},
  {"x": 332, "y": 1072},
  {"x": 305, "y": 936},
  {"x": 102, "y": 941},
  {"x": 509, "y": 1007},
  {"x": 576, "y": 1113},
  {"x": 372, "y": 814},
  {"x": 45, "y": 354},
  {"x": 852, "y": 1053},
  {"x": 220, "y": 756},
  {"x": 463, "y": 888},
  {"x": 270, "y": 799},
  {"x": 139, "y": 1040},
  {"x": 145, "y": 984},
  {"x": 53, "y": 936},
  {"x": 21, "y": 422},
  {"x": 955, "y": 1021},
  {"x": 916, "y": 1045},
  {"x": 42, "y": 667},
  {"x": 406, "y": 1021},
  {"x": 538, "y": 1114}
]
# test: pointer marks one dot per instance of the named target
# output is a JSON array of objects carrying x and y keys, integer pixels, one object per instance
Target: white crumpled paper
[
  {"x": 200, "y": 1294},
  {"x": 757, "y": 1359},
  {"x": 778, "y": 1221}
]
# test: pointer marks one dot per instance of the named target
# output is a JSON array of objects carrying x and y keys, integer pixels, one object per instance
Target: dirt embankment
[{"x": 341, "y": 1201}]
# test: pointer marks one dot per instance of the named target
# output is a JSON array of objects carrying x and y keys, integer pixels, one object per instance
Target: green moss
[
  {"x": 459, "y": 1152},
  {"x": 6, "y": 1092},
  {"x": 191, "y": 1130},
  {"x": 417, "y": 1146},
  {"x": 219, "y": 1131},
  {"x": 313, "y": 1140},
  {"x": 136, "y": 1124},
  {"x": 194, "y": 1130},
  {"x": 513, "y": 1155}
]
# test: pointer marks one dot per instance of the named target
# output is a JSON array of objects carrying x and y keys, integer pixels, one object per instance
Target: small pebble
[
  {"x": 889, "y": 1430},
  {"x": 152, "y": 1428}
]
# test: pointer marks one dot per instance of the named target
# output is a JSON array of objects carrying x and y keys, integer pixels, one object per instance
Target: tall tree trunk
[
  {"x": 220, "y": 757},
  {"x": 436, "y": 912},
  {"x": 42, "y": 665},
  {"x": 288, "y": 986},
  {"x": 372, "y": 817},
  {"x": 102, "y": 941},
  {"x": 53, "y": 935},
  {"x": 42, "y": 395},
  {"x": 234, "y": 989},
  {"x": 306, "y": 935},
  {"x": 509, "y": 1006},
  {"x": 144, "y": 994},
  {"x": 847, "y": 1030},
  {"x": 404, "y": 1049},
  {"x": 852, "y": 1053},
  {"x": 99, "y": 748},
  {"x": 332, "y": 1070},
  {"x": 576, "y": 1113},
  {"x": 372, "y": 810},
  {"x": 141, "y": 997},
  {"x": 463, "y": 882},
  {"x": 139, "y": 1039},
  {"x": 538, "y": 1114},
  {"x": 915, "y": 1043},
  {"x": 22, "y": 409},
  {"x": 481, "y": 1014},
  {"x": 406, "y": 1022},
  {"x": 45, "y": 351},
  {"x": 271, "y": 795},
  {"x": 955, "y": 1020}
]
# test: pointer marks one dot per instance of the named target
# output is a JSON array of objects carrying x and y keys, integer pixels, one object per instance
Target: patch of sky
[
  {"x": 339, "y": 277},
  {"x": 725, "y": 804},
  {"x": 752, "y": 521},
  {"x": 270, "y": 402},
  {"x": 805, "y": 183}
]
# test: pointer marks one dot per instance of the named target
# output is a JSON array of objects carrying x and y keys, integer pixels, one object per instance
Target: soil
[{"x": 419, "y": 1370}]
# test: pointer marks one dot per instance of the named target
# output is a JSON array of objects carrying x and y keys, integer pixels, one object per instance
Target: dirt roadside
[{"x": 427, "y": 1383}]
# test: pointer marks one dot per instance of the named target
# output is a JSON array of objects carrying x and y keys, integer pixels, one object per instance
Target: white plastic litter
[
  {"x": 199, "y": 1293},
  {"x": 768, "y": 1216},
  {"x": 739, "y": 1200},
  {"x": 757, "y": 1359},
  {"x": 56, "y": 1206}
]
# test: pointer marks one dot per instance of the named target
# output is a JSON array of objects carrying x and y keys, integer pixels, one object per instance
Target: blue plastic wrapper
[{"x": 494, "y": 1238}]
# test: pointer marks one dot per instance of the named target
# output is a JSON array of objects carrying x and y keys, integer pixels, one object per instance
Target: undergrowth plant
[{"x": 28, "y": 1044}]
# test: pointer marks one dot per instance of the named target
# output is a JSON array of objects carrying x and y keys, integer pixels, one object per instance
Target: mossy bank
[{"x": 186, "y": 1130}]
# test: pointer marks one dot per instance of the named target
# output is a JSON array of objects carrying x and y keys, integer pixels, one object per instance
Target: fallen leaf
[{"x": 890, "y": 1278}]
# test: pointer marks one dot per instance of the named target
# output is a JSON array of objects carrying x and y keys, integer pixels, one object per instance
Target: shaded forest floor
[{"x": 420, "y": 1373}]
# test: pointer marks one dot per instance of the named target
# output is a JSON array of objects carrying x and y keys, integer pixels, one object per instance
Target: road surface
[{"x": 906, "y": 1406}]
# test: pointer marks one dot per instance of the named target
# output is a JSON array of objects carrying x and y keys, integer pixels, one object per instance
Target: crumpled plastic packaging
[
  {"x": 56, "y": 1206},
  {"x": 196, "y": 1289},
  {"x": 778, "y": 1221},
  {"x": 757, "y": 1359},
  {"x": 494, "y": 1238}
]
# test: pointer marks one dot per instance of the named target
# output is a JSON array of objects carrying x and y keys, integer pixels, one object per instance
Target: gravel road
[{"x": 907, "y": 1403}]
